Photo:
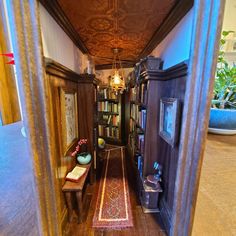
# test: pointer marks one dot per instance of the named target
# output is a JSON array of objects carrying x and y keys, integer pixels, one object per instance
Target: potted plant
[
  {"x": 223, "y": 111},
  {"x": 83, "y": 157}
]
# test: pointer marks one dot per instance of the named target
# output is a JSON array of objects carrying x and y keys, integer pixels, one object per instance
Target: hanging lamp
[{"x": 117, "y": 82}]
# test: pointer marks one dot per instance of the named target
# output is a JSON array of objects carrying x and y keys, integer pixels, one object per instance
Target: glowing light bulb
[{"x": 116, "y": 78}]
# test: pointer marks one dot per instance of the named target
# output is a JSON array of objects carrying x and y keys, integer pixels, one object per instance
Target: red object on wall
[{"x": 12, "y": 62}]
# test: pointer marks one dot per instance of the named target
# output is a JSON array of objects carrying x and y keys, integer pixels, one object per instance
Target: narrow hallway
[
  {"x": 104, "y": 110},
  {"x": 143, "y": 224}
]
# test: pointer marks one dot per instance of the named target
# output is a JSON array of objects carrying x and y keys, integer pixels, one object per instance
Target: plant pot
[
  {"x": 84, "y": 158},
  {"x": 222, "y": 121}
]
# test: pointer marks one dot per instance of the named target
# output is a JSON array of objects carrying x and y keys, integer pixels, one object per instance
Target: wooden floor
[
  {"x": 144, "y": 224},
  {"x": 215, "y": 213}
]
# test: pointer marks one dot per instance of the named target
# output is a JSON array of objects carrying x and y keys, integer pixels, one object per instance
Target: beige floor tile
[{"x": 215, "y": 212}]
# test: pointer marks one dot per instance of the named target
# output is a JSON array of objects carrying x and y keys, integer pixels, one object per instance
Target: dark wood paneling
[
  {"x": 86, "y": 112},
  {"x": 109, "y": 66},
  {"x": 84, "y": 84},
  {"x": 169, "y": 83},
  {"x": 57, "y": 13},
  {"x": 18, "y": 200},
  {"x": 168, "y": 156}
]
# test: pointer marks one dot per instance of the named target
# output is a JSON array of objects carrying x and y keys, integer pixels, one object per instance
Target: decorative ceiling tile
[{"x": 105, "y": 24}]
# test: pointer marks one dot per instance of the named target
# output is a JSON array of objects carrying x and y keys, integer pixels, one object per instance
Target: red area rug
[{"x": 113, "y": 208}]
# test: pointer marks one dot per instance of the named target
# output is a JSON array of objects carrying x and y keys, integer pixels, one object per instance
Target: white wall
[
  {"x": 58, "y": 46},
  {"x": 175, "y": 48},
  {"x": 229, "y": 22}
]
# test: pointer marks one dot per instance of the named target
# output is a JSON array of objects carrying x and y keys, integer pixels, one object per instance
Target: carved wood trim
[
  {"x": 206, "y": 32},
  {"x": 56, "y": 69},
  {"x": 59, "y": 16},
  {"x": 178, "y": 12},
  {"x": 173, "y": 72},
  {"x": 109, "y": 66}
]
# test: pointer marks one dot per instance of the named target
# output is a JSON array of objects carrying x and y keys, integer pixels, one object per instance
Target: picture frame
[
  {"x": 69, "y": 118},
  {"x": 169, "y": 120}
]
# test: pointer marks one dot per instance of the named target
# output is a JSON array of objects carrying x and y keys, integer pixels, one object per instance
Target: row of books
[
  {"x": 139, "y": 94},
  {"x": 132, "y": 125},
  {"x": 138, "y": 115},
  {"x": 132, "y": 143},
  {"x": 106, "y": 93},
  {"x": 134, "y": 111},
  {"x": 140, "y": 143},
  {"x": 110, "y": 120},
  {"x": 142, "y": 118},
  {"x": 133, "y": 94},
  {"x": 110, "y": 132},
  {"x": 140, "y": 164},
  {"x": 107, "y": 106}
]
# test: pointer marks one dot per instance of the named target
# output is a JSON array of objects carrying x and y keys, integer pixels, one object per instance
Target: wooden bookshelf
[
  {"x": 143, "y": 110},
  {"x": 142, "y": 115},
  {"x": 109, "y": 116}
]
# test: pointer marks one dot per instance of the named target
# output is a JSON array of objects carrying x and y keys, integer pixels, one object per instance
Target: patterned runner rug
[{"x": 113, "y": 208}]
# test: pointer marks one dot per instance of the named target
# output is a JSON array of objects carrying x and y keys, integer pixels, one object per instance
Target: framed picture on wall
[
  {"x": 69, "y": 118},
  {"x": 169, "y": 120}
]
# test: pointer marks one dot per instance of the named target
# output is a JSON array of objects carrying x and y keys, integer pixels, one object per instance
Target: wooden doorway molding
[
  {"x": 27, "y": 47},
  {"x": 207, "y": 23},
  {"x": 28, "y": 54}
]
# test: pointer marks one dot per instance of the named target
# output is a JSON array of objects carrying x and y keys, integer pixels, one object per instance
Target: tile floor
[{"x": 215, "y": 213}]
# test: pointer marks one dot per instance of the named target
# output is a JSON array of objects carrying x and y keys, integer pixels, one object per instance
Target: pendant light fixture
[{"x": 117, "y": 82}]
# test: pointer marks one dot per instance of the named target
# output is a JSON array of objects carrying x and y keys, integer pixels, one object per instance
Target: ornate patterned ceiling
[{"x": 106, "y": 24}]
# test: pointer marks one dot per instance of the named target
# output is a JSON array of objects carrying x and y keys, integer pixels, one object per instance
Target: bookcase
[
  {"x": 143, "y": 126},
  {"x": 109, "y": 116}
]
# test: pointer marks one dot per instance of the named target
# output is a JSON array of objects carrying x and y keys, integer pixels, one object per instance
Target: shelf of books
[
  {"x": 143, "y": 112},
  {"x": 138, "y": 111},
  {"x": 142, "y": 120},
  {"x": 109, "y": 116}
]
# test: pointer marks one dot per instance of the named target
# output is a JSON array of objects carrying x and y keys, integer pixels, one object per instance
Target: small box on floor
[{"x": 149, "y": 196}]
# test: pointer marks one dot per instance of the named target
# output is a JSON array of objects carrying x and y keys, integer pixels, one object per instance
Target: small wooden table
[{"x": 70, "y": 187}]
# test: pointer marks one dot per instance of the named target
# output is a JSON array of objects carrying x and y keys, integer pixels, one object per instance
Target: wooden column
[
  {"x": 27, "y": 46},
  {"x": 207, "y": 23}
]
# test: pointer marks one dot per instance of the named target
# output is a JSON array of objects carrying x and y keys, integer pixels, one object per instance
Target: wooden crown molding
[
  {"x": 59, "y": 16},
  {"x": 56, "y": 69},
  {"x": 174, "y": 17},
  {"x": 109, "y": 66},
  {"x": 177, "y": 71}
]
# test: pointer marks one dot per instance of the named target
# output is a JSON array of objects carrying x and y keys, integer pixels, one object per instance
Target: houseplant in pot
[
  {"x": 82, "y": 156},
  {"x": 223, "y": 111}
]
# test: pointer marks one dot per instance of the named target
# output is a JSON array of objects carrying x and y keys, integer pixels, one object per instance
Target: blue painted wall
[{"x": 175, "y": 48}]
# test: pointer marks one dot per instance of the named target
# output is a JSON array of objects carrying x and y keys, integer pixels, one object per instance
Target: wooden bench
[{"x": 71, "y": 187}]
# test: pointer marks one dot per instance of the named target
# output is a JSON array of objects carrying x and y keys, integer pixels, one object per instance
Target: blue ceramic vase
[
  {"x": 223, "y": 119},
  {"x": 84, "y": 158}
]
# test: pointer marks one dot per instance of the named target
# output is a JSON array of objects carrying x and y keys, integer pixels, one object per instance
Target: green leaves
[
  {"x": 226, "y": 33},
  {"x": 225, "y": 80}
]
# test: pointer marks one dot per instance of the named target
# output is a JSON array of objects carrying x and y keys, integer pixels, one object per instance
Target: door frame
[
  {"x": 27, "y": 46},
  {"x": 33, "y": 88},
  {"x": 206, "y": 32}
]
